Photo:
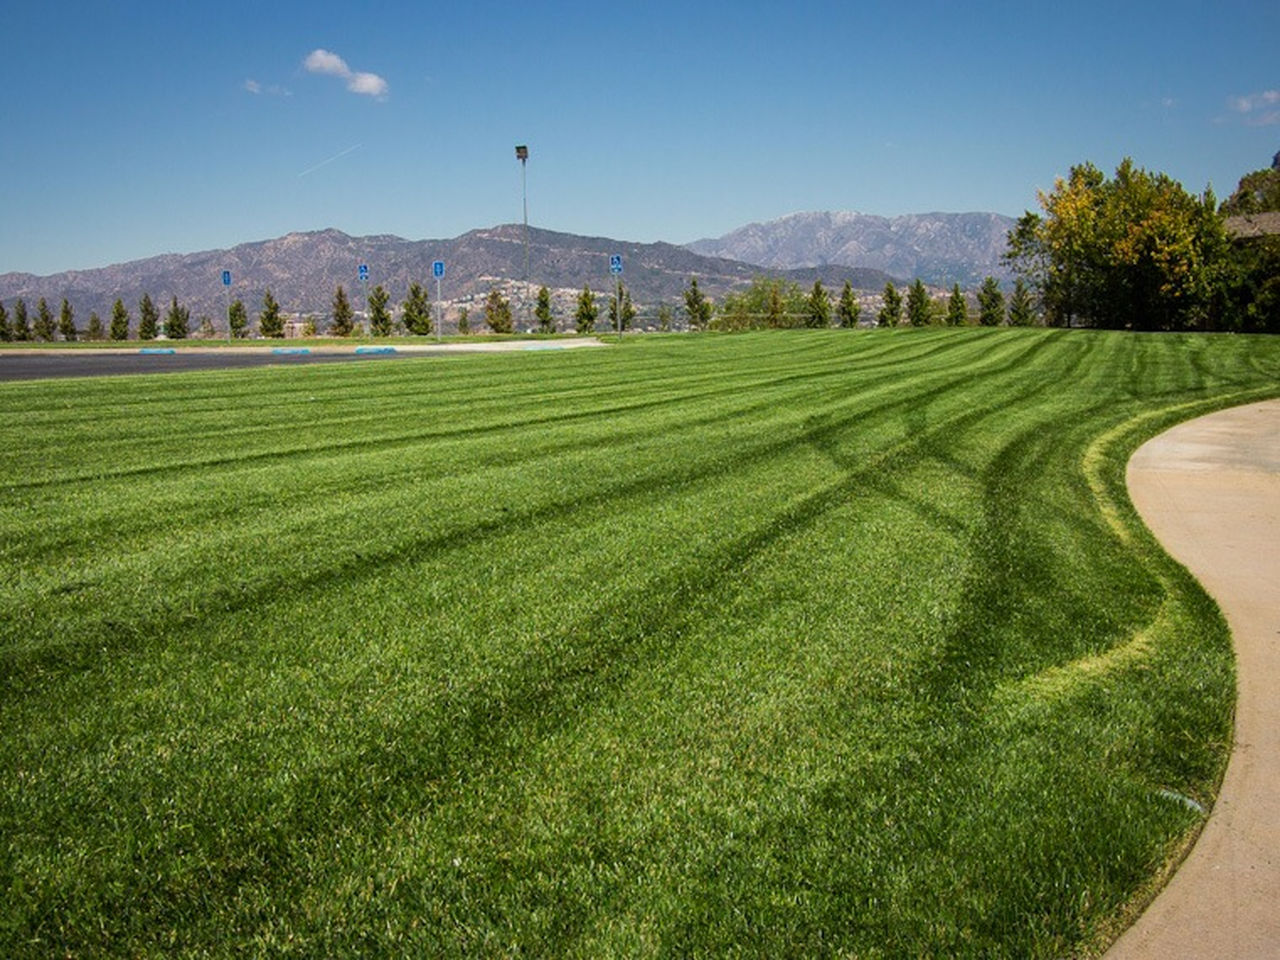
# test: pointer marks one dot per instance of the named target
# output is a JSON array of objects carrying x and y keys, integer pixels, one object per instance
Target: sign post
[
  {"x": 226, "y": 296},
  {"x": 364, "y": 279},
  {"x": 437, "y": 271},
  {"x": 615, "y": 268}
]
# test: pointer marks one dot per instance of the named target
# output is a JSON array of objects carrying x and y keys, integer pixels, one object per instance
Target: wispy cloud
[
  {"x": 271, "y": 89},
  {"x": 1258, "y": 109},
  {"x": 327, "y": 62}
]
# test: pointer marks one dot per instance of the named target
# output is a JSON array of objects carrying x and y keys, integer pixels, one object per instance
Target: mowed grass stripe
[
  {"x": 724, "y": 679},
  {"x": 323, "y": 517},
  {"x": 381, "y": 420}
]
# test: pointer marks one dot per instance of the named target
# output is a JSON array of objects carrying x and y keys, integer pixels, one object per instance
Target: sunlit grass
[{"x": 830, "y": 643}]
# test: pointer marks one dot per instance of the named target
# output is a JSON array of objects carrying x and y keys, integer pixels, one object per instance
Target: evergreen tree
[
  {"x": 270, "y": 323},
  {"x": 21, "y": 330},
  {"x": 1021, "y": 310},
  {"x": 341, "y": 325},
  {"x": 379, "y": 316},
  {"x": 119, "y": 321},
  {"x": 664, "y": 318},
  {"x": 416, "y": 311},
  {"x": 6, "y": 332},
  {"x": 848, "y": 308},
  {"x": 919, "y": 306},
  {"x": 585, "y": 317},
  {"x": 148, "y": 318},
  {"x": 546, "y": 322},
  {"x": 890, "y": 314},
  {"x": 497, "y": 312},
  {"x": 238, "y": 319},
  {"x": 990, "y": 303},
  {"x": 957, "y": 310},
  {"x": 697, "y": 306},
  {"x": 66, "y": 321},
  {"x": 818, "y": 307},
  {"x": 628, "y": 310},
  {"x": 95, "y": 331},
  {"x": 43, "y": 326},
  {"x": 464, "y": 321},
  {"x": 177, "y": 321}
]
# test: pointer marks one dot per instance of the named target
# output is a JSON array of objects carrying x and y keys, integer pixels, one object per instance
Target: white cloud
[
  {"x": 367, "y": 83},
  {"x": 322, "y": 61},
  {"x": 271, "y": 89},
  {"x": 1255, "y": 101},
  {"x": 326, "y": 62}
]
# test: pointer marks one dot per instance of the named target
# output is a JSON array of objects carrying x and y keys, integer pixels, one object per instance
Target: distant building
[{"x": 1253, "y": 226}]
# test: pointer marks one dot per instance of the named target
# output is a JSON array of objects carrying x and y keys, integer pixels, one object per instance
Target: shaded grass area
[{"x": 808, "y": 644}]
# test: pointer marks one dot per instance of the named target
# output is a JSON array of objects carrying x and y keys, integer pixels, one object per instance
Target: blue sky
[{"x": 133, "y": 129}]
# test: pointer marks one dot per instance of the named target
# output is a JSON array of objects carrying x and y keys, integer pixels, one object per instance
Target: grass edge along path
[{"x": 817, "y": 644}]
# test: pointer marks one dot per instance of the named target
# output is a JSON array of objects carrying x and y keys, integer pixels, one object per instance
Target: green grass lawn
[{"x": 803, "y": 644}]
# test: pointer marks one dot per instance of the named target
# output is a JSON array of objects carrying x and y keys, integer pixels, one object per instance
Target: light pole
[{"x": 522, "y": 154}]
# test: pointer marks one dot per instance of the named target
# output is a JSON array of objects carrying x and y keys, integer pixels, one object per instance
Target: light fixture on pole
[{"x": 522, "y": 154}]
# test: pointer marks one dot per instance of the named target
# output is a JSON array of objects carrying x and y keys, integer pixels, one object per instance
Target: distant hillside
[
  {"x": 940, "y": 248},
  {"x": 302, "y": 270}
]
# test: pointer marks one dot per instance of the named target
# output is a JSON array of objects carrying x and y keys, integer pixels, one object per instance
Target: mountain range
[
  {"x": 303, "y": 269},
  {"x": 940, "y": 248}
]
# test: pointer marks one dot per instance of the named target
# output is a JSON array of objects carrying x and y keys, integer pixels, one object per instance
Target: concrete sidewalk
[{"x": 1210, "y": 492}]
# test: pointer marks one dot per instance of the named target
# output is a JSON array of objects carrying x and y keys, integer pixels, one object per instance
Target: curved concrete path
[{"x": 1210, "y": 492}]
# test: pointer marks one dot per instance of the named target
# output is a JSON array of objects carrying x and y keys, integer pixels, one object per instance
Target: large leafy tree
[
  {"x": 343, "y": 319},
  {"x": 379, "y": 315},
  {"x": 1258, "y": 192},
  {"x": 957, "y": 309},
  {"x": 848, "y": 308},
  {"x": 43, "y": 326},
  {"x": 697, "y": 306},
  {"x": 177, "y": 321},
  {"x": 584, "y": 317},
  {"x": 66, "y": 321},
  {"x": 21, "y": 328},
  {"x": 990, "y": 303},
  {"x": 818, "y": 307},
  {"x": 890, "y": 314},
  {"x": 1135, "y": 250},
  {"x": 270, "y": 322},
  {"x": 148, "y": 318},
  {"x": 497, "y": 312},
  {"x": 238, "y": 319},
  {"x": 416, "y": 311},
  {"x": 919, "y": 306},
  {"x": 1251, "y": 287},
  {"x": 542, "y": 311},
  {"x": 119, "y": 321}
]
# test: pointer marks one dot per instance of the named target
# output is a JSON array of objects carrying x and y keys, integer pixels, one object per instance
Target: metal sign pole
[
  {"x": 226, "y": 299},
  {"x": 437, "y": 268}
]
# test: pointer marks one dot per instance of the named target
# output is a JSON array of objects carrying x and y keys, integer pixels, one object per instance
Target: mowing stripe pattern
[{"x": 821, "y": 643}]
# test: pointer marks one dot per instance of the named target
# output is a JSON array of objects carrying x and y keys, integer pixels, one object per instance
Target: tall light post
[{"x": 522, "y": 154}]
